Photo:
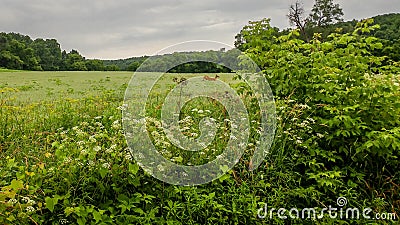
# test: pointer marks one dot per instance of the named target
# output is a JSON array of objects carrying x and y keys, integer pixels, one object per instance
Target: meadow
[
  {"x": 64, "y": 159},
  {"x": 44, "y": 86},
  {"x": 63, "y": 151}
]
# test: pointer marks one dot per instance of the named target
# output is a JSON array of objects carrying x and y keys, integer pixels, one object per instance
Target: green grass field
[
  {"x": 39, "y": 86},
  {"x": 61, "y": 140}
]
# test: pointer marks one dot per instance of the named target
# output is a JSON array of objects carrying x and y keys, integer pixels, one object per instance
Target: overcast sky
[{"x": 109, "y": 29}]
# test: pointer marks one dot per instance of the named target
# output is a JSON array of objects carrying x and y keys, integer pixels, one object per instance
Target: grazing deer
[{"x": 210, "y": 78}]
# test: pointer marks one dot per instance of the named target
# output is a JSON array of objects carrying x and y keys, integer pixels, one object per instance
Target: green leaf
[
  {"x": 133, "y": 168},
  {"x": 50, "y": 203},
  {"x": 81, "y": 221},
  {"x": 16, "y": 184},
  {"x": 103, "y": 172},
  {"x": 224, "y": 177},
  {"x": 178, "y": 159},
  {"x": 224, "y": 168},
  {"x": 97, "y": 216}
]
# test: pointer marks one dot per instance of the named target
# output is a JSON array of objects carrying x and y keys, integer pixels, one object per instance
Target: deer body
[{"x": 210, "y": 78}]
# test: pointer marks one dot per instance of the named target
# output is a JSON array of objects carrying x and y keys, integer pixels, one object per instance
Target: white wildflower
[
  {"x": 155, "y": 134},
  {"x": 304, "y": 106},
  {"x": 67, "y": 160},
  {"x": 80, "y": 133},
  {"x": 116, "y": 124},
  {"x": 303, "y": 124},
  {"x": 99, "y": 124},
  {"x": 92, "y": 139},
  {"x": 31, "y": 202},
  {"x": 157, "y": 124},
  {"x": 30, "y": 209},
  {"x": 106, "y": 165},
  {"x": 185, "y": 129},
  {"x": 311, "y": 120},
  {"x": 12, "y": 201},
  {"x": 123, "y": 107},
  {"x": 97, "y": 148},
  {"x": 25, "y": 199},
  {"x": 128, "y": 156},
  {"x": 202, "y": 144}
]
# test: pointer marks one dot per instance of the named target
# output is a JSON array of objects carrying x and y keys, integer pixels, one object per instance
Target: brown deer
[{"x": 210, "y": 78}]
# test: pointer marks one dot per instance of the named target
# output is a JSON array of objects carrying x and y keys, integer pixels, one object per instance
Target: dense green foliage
[
  {"x": 206, "y": 62},
  {"x": 325, "y": 12},
  {"x": 22, "y": 53},
  {"x": 130, "y": 64},
  {"x": 388, "y": 33},
  {"x": 171, "y": 62},
  {"x": 353, "y": 146}
]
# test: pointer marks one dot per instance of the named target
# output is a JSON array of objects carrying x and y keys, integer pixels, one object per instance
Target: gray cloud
[{"x": 124, "y": 28}]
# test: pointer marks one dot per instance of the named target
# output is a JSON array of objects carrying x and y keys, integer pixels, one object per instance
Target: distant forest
[{"x": 20, "y": 52}]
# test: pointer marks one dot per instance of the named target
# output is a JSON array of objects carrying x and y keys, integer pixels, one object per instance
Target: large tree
[
  {"x": 325, "y": 12},
  {"x": 297, "y": 17}
]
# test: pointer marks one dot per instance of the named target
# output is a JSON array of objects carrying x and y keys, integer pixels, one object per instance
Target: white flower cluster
[
  {"x": 12, "y": 201},
  {"x": 30, "y": 209}
]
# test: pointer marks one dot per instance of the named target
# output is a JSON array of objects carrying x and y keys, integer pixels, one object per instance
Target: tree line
[{"x": 20, "y": 52}]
